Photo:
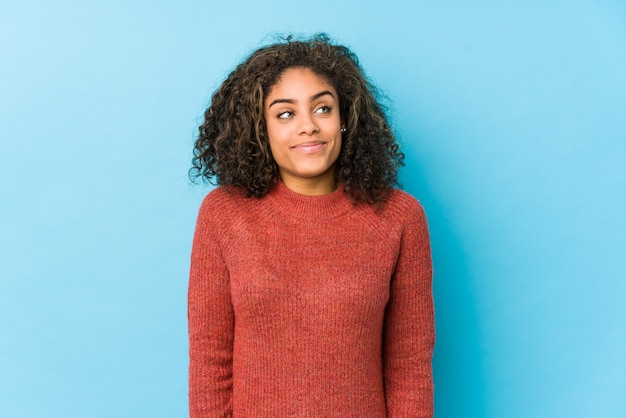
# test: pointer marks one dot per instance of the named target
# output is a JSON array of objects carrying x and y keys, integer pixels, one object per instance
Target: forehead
[{"x": 300, "y": 81}]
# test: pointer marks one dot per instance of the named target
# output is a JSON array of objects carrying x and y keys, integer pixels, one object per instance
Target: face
[{"x": 304, "y": 129}]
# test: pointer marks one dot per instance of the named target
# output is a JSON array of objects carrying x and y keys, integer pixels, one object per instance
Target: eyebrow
[{"x": 292, "y": 101}]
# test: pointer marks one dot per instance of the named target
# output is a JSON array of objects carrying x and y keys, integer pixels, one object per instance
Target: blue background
[{"x": 513, "y": 119}]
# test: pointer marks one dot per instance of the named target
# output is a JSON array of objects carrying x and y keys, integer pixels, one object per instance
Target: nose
[{"x": 307, "y": 126}]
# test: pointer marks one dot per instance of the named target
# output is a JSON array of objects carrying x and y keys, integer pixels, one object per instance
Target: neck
[{"x": 313, "y": 186}]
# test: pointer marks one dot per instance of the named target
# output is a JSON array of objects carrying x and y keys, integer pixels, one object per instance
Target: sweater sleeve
[
  {"x": 211, "y": 324},
  {"x": 409, "y": 330}
]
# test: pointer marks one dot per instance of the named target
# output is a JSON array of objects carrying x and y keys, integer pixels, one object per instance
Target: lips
[{"x": 309, "y": 147}]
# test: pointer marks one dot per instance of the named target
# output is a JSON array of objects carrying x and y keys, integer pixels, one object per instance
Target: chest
[{"x": 293, "y": 266}]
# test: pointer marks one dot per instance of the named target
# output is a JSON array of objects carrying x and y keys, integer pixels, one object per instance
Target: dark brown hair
[{"x": 233, "y": 146}]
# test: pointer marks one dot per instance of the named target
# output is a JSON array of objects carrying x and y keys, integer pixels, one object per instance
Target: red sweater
[{"x": 310, "y": 306}]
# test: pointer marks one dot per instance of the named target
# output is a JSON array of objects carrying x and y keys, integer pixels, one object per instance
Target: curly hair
[{"x": 233, "y": 145}]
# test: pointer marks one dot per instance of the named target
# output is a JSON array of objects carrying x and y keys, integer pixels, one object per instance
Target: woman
[{"x": 310, "y": 285}]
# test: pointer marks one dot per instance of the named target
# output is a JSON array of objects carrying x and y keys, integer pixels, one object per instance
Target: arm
[
  {"x": 211, "y": 325},
  {"x": 409, "y": 333}
]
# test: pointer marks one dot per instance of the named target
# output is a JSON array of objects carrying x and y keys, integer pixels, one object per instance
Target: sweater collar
[{"x": 301, "y": 206}]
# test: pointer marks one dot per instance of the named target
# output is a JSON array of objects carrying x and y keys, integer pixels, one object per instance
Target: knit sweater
[{"x": 310, "y": 306}]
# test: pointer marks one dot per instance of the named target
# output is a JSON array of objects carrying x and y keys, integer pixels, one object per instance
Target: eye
[
  {"x": 285, "y": 115},
  {"x": 323, "y": 109}
]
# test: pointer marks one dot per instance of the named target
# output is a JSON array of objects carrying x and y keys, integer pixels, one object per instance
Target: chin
[{"x": 312, "y": 173}]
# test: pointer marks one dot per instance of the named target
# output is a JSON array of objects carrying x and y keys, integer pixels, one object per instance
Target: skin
[{"x": 304, "y": 128}]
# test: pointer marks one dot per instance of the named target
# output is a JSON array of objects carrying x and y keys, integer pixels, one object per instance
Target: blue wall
[{"x": 512, "y": 116}]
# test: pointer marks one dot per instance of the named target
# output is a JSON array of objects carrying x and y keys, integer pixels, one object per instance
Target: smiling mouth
[{"x": 309, "y": 147}]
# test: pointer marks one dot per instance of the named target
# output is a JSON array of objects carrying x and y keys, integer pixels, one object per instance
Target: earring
[{"x": 343, "y": 130}]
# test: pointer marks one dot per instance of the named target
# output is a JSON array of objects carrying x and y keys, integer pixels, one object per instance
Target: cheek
[
  {"x": 275, "y": 130},
  {"x": 271, "y": 135},
  {"x": 274, "y": 138},
  {"x": 337, "y": 150}
]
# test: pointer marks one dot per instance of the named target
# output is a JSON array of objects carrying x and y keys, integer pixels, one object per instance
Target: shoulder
[
  {"x": 229, "y": 206},
  {"x": 223, "y": 210},
  {"x": 410, "y": 218},
  {"x": 224, "y": 200},
  {"x": 401, "y": 215},
  {"x": 404, "y": 207},
  {"x": 223, "y": 203},
  {"x": 220, "y": 196}
]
